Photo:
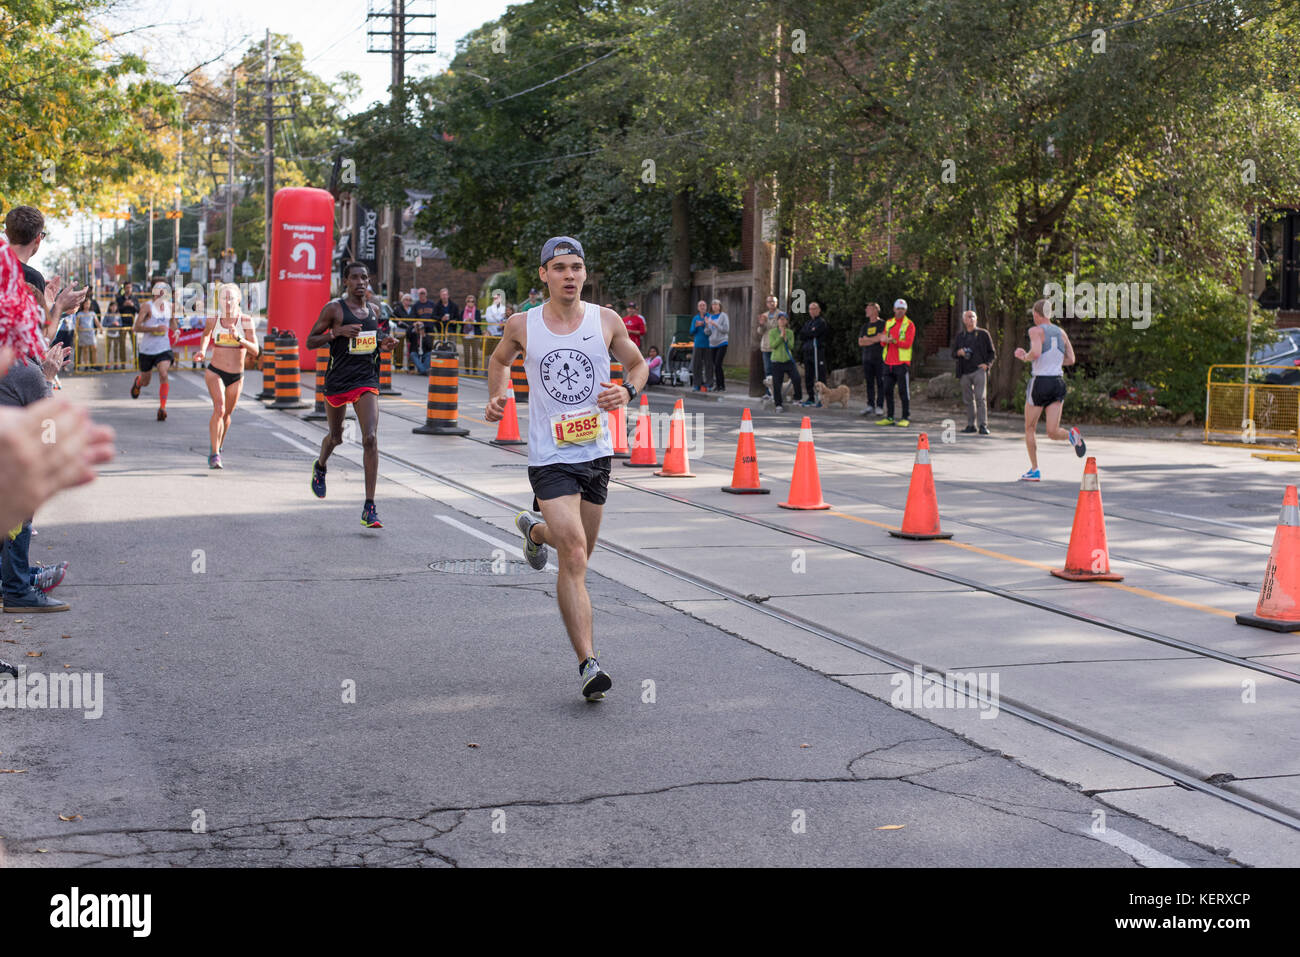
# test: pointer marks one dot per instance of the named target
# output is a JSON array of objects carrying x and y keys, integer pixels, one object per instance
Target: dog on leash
[
  {"x": 787, "y": 390},
  {"x": 826, "y": 395}
]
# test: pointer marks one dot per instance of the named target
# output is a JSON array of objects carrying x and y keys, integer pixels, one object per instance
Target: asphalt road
[{"x": 313, "y": 692}]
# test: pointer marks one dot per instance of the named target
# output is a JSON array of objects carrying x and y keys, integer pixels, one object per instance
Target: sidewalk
[{"x": 929, "y": 412}]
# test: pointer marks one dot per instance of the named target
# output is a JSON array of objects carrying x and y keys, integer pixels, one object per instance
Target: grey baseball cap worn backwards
[{"x": 561, "y": 246}]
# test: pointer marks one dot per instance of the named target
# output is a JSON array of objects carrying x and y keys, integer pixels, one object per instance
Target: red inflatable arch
[{"x": 302, "y": 244}]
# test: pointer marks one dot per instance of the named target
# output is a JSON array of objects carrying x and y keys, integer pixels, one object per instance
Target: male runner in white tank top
[
  {"x": 153, "y": 326},
  {"x": 1049, "y": 351},
  {"x": 566, "y": 345}
]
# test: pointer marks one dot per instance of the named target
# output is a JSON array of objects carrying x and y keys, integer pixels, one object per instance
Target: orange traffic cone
[
  {"x": 508, "y": 430},
  {"x": 1088, "y": 558},
  {"x": 1279, "y": 598},
  {"x": 677, "y": 463},
  {"x": 618, "y": 430},
  {"x": 805, "y": 486},
  {"x": 921, "y": 514},
  {"x": 644, "y": 455},
  {"x": 744, "y": 475}
]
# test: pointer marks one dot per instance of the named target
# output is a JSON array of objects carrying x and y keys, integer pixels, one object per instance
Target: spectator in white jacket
[{"x": 495, "y": 315}]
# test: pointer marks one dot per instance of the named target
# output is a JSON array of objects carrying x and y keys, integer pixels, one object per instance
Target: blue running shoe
[
  {"x": 317, "y": 479},
  {"x": 370, "y": 517},
  {"x": 1033, "y": 475},
  {"x": 1077, "y": 441}
]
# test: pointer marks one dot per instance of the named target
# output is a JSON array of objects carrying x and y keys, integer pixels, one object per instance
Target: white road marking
[
  {"x": 285, "y": 437},
  {"x": 1197, "y": 518},
  {"x": 484, "y": 536},
  {"x": 1146, "y": 856}
]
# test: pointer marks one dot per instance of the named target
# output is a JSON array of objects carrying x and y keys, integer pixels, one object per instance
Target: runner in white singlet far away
[
  {"x": 566, "y": 345},
  {"x": 153, "y": 326},
  {"x": 1049, "y": 351}
]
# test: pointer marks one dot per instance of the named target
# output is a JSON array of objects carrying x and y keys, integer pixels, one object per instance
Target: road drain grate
[{"x": 480, "y": 566}]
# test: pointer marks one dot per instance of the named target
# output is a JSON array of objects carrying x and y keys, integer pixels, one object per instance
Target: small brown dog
[{"x": 827, "y": 395}]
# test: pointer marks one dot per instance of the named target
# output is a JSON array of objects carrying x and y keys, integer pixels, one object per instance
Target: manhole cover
[{"x": 480, "y": 566}]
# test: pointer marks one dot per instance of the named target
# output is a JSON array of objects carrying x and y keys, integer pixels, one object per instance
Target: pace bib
[
  {"x": 226, "y": 338},
  {"x": 365, "y": 342},
  {"x": 576, "y": 428}
]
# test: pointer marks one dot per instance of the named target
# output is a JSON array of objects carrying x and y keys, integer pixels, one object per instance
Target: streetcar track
[{"x": 1184, "y": 778}]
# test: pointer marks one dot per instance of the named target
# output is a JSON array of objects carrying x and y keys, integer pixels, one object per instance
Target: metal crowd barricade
[
  {"x": 1246, "y": 411},
  {"x": 473, "y": 352}
]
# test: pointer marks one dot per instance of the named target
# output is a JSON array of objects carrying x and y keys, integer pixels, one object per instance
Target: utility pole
[
  {"x": 411, "y": 31},
  {"x": 148, "y": 255},
  {"x": 176, "y": 219},
  {"x": 227, "y": 253},
  {"x": 269, "y": 174}
]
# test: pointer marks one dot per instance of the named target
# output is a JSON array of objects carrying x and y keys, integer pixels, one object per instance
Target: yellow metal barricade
[
  {"x": 473, "y": 352},
  {"x": 1251, "y": 413}
]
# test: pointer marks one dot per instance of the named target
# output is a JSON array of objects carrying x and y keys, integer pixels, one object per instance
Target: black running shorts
[
  {"x": 588, "y": 479},
  {"x": 1045, "y": 389},
  {"x": 147, "y": 361}
]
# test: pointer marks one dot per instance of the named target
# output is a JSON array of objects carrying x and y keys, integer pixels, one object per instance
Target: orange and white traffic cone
[
  {"x": 805, "y": 485},
  {"x": 1278, "y": 608},
  {"x": 744, "y": 474},
  {"x": 618, "y": 431},
  {"x": 508, "y": 430},
  {"x": 644, "y": 454},
  {"x": 921, "y": 514},
  {"x": 677, "y": 463},
  {"x": 1088, "y": 558}
]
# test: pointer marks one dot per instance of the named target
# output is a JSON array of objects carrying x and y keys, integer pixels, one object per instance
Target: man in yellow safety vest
[{"x": 899, "y": 334}]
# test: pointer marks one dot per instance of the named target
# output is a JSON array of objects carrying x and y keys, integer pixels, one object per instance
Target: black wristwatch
[{"x": 631, "y": 391}]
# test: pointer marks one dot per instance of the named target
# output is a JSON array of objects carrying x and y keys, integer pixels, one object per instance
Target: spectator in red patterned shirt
[{"x": 635, "y": 323}]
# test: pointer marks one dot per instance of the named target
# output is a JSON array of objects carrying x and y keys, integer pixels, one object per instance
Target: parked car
[{"x": 1284, "y": 352}]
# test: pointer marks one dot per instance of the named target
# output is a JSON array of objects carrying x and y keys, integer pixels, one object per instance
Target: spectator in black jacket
[
  {"x": 815, "y": 335},
  {"x": 445, "y": 313},
  {"x": 974, "y": 352}
]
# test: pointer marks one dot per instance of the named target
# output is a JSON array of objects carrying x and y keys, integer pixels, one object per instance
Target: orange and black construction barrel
[
  {"x": 444, "y": 383},
  {"x": 288, "y": 388},
  {"x": 386, "y": 375},
  {"x": 268, "y": 366},
  {"x": 519, "y": 379},
  {"x": 322, "y": 363}
]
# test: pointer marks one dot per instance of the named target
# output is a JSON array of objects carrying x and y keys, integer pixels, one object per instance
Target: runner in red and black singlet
[{"x": 349, "y": 326}]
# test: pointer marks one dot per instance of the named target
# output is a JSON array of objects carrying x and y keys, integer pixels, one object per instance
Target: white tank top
[
  {"x": 564, "y": 377},
  {"x": 152, "y": 345},
  {"x": 1052, "y": 359}
]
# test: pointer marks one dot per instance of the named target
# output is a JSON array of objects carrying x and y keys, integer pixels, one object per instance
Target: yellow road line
[{"x": 1001, "y": 556}]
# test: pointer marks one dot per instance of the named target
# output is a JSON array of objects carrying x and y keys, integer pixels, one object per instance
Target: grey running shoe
[
  {"x": 594, "y": 681},
  {"x": 48, "y": 577},
  {"x": 537, "y": 555}
]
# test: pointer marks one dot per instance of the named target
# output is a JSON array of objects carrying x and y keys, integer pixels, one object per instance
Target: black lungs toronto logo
[{"x": 568, "y": 376}]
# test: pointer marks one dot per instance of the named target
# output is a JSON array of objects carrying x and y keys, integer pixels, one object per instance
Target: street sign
[
  {"x": 410, "y": 250},
  {"x": 119, "y": 269},
  {"x": 227, "y": 270},
  {"x": 183, "y": 259}
]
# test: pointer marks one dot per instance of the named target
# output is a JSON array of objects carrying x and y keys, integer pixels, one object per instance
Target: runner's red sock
[{"x": 162, "y": 395}]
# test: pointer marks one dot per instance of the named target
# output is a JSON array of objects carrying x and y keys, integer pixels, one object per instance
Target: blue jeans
[
  {"x": 422, "y": 360},
  {"x": 767, "y": 363},
  {"x": 14, "y": 569}
]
